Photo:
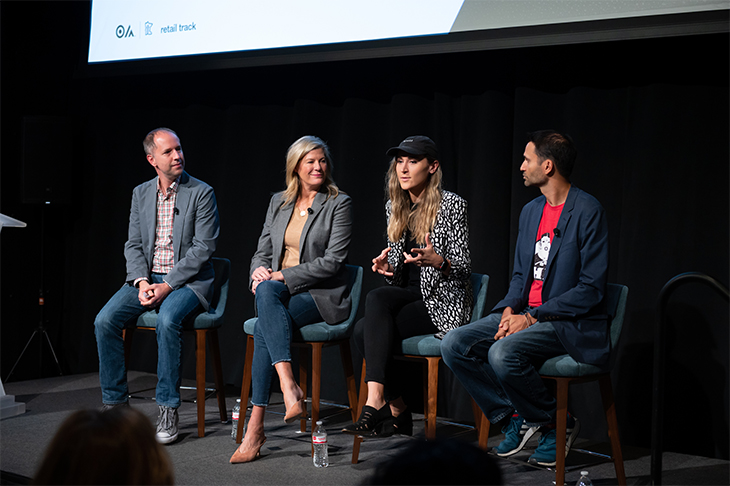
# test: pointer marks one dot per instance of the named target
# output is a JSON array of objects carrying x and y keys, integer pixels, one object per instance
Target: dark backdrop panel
[
  {"x": 47, "y": 151},
  {"x": 651, "y": 127}
]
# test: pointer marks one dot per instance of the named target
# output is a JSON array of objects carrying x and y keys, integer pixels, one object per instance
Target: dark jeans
[
  {"x": 502, "y": 375},
  {"x": 279, "y": 313},
  {"x": 123, "y": 309},
  {"x": 391, "y": 315}
]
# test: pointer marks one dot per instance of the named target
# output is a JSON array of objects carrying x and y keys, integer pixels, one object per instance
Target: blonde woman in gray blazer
[
  {"x": 298, "y": 276},
  {"x": 428, "y": 266}
]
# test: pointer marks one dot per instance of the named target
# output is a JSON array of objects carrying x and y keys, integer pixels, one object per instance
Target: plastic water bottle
[
  {"x": 319, "y": 441},
  {"x": 584, "y": 479},
  {"x": 234, "y": 416}
]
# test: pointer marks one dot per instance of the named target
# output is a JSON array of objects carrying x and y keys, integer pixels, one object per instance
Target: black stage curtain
[{"x": 649, "y": 117}]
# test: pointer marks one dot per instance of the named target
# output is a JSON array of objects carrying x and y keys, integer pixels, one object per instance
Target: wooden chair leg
[
  {"x": 362, "y": 399},
  {"x": 356, "y": 449},
  {"x": 482, "y": 425},
  {"x": 346, "y": 357},
  {"x": 316, "y": 380},
  {"x": 609, "y": 408},
  {"x": 432, "y": 387},
  {"x": 360, "y": 404},
  {"x": 220, "y": 391},
  {"x": 200, "y": 379},
  {"x": 245, "y": 387},
  {"x": 561, "y": 424},
  {"x": 127, "y": 334},
  {"x": 304, "y": 363}
]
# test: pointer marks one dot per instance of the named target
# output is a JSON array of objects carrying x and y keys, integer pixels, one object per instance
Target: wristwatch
[{"x": 444, "y": 265}]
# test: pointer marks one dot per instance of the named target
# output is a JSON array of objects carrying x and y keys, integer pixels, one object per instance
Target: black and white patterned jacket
[{"x": 449, "y": 298}]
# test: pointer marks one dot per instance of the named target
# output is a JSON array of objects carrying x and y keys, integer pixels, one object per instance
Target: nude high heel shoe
[
  {"x": 295, "y": 412},
  {"x": 252, "y": 454}
]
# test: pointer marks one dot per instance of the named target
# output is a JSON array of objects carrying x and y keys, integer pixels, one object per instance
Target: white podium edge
[{"x": 8, "y": 406}]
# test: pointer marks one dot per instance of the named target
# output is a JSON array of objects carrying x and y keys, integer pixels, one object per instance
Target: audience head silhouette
[
  {"x": 439, "y": 462},
  {"x": 116, "y": 446}
]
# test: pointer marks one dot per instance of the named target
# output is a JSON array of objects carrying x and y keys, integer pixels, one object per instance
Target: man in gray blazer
[{"x": 173, "y": 229}]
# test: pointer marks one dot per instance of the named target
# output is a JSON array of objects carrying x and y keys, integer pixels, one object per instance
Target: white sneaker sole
[
  {"x": 528, "y": 435},
  {"x": 571, "y": 435},
  {"x": 165, "y": 438}
]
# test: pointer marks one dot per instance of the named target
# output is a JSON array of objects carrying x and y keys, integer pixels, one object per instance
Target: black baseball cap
[{"x": 416, "y": 145}]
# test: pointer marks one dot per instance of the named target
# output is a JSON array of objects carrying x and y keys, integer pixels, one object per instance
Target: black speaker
[{"x": 47, "y": 172}]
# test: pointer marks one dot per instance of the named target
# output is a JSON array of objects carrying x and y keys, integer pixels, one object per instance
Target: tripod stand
[{"x": 40, "y": 330}]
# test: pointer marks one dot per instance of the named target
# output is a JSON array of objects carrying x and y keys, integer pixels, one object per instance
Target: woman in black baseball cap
[{"x": 427, "y": 265}]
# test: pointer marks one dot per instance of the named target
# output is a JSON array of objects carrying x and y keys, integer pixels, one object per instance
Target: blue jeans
[
  {"x": 279, "y": 312},
  {"x": 121, "y": 311},
  {"x": 502, "y": 375}
]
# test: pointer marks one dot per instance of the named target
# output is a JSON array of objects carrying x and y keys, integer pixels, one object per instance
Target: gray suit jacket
[
  {"x": 195, "y": 232},
  {"x": 323, "y": 248}
]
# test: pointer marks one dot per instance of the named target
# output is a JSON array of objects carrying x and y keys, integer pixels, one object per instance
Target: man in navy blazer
[
  {"x": 173, "y": 230},
  {"x": 555, "y": 305}
]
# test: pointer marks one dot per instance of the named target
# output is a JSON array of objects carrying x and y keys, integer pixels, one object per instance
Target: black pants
[{"x": 391, "y": 315}]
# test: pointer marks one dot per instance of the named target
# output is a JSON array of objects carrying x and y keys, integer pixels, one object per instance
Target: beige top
[{"x": 291, "y": 239}]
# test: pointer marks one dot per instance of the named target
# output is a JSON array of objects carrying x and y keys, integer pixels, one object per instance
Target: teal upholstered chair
[
  {"x": 205, "y": 325},
  {"x": 427, "y": 349},
  {"x": 315, "y": 337},
  {"x": 565, "y": 371}
]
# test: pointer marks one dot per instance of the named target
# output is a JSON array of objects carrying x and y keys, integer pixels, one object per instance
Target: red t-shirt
[{"x": 548, "y": 222}]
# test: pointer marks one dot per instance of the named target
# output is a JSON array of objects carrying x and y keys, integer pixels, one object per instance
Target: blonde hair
[
  {"x": 294, "y": 155},
  {"x": 419, "y": 219}
]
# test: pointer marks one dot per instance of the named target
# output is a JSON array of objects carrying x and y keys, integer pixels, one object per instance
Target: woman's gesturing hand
[
  {"x": 425, "y": 257},
  {"x": 381, "y": 265}
]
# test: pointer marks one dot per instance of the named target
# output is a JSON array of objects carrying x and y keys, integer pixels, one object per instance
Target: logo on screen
[
  {"x": 148, "y": 28},
  {"x": 122, "y": 32}
]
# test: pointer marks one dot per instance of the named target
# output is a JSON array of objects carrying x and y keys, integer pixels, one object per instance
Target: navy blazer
[
  {"x": 195, "y": 230},
  {"x": 323, "y": 247},
  {"x": 575, "y": 277}
]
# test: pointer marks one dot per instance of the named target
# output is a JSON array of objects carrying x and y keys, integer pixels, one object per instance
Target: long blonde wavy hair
[
  {"x": 421, "y": 219},
  {"x": 294, "y": 155}
]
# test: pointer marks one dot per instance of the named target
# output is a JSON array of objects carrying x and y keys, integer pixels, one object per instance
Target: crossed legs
[{"x": 279, "y": 313}]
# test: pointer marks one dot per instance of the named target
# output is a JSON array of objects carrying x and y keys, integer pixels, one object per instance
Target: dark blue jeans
[
  {"x": 279, "y": 312},
  {"x": 123, "y": 309},
  {"x": 502, "y": 375}
]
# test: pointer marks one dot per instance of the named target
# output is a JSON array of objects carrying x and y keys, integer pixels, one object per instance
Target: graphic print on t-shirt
[
  {"x": 545, "y": 234},
  {"x": 542, "y": 251}
]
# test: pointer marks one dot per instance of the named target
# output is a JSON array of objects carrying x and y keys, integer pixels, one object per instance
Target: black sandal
[{"x": 372, "y": 422}]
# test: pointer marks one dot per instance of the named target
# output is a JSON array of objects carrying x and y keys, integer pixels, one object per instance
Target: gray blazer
[
  {"x": 323, "y": 248},
  {"x": 195, "y": 232}
]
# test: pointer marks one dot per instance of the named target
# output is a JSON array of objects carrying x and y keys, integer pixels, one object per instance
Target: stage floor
[{"x": 285, "y": 458}]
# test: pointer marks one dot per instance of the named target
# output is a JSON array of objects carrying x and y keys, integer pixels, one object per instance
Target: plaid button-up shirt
[{"x": 163, "y": 259}]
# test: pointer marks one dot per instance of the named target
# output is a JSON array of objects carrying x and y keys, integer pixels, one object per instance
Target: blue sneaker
[
  {"x": 545, "y": 453},
  {"x": 516, "y": 435}
]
